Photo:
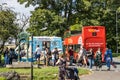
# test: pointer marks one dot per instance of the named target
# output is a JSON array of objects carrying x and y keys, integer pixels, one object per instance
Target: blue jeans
[
  {"x": 6, "y": 59},
  {"x": 91, "y": 63},
  {"x": 108, "y": 62},
  {"x": 37, "y": 56}
]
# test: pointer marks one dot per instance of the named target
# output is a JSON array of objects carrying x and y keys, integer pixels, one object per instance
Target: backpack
[
  {"x": 108, "y": 54},
  {"x": 72, "y": 73}
]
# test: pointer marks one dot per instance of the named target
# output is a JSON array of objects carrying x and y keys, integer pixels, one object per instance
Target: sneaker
[
  {"x": 96, "y": 69},
  {"x": 100, "y": 69},
  {"x": 90, "y": 69},
  {"x": 4, "y": 65},
  {"x": 108, "y": 69}
]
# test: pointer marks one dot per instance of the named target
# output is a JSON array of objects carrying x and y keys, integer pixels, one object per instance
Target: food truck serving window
[{"x": 94, "y": 34}]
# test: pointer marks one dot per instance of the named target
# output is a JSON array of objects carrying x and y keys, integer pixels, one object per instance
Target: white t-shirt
[
  {"x": 38, "y": 51},
  {"x": 98, "y": 52},
  {"x": 81, "y": 51},
  {"x": 53, "y": 56}
]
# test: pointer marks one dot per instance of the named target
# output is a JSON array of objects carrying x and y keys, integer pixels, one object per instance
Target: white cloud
[{"x": 18, "y": 8}]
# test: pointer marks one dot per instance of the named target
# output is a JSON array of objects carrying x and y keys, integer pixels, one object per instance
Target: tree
[
  {"x": 23, "y": 21},
  {"x": 88, "y": 12},
  {"x": 60, "y": 7},
  {"x": 42, "y": 18},
  {"x": 8, "y": 27}
]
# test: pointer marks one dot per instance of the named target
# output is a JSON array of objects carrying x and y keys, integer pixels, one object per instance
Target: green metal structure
[{"x": 23, "y": 37}]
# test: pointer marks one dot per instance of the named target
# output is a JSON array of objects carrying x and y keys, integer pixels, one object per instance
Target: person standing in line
[
  {"x": 48, "y": 56},
  {"x": 98, "y": 59},
  {"x": 11, "y": 55},
  {"x": 108, "y": 58},
  {"x": 82, "y": 56},
  {"x": 38, "y": 53},
  {"x": 45, "y": 56},
  {"x": 71, "y": 52},
  {"x": 6, "y": 56},
  {"x": 56, "y": 54},
  {"x": 90, "y": 56}
]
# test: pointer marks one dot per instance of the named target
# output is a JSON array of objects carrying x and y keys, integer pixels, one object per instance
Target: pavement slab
[{"x": 113, "y": 74}]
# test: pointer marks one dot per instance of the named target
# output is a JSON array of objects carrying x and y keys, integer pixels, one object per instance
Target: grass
[
  {"x": 116, "y": 55},
  {"x": 45, "y": 73},
  {"x": 2, "y": 78}
]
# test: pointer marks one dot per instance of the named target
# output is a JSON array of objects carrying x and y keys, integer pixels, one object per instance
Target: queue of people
[
  {"x": 9, "y": 55},
  {"x": 85, "y": 58},
  {"x": 89, "y": 58},
  {"x": 50, "y": 57}
]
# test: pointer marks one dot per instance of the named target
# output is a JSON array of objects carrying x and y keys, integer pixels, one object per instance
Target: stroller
[{"x": 72, "y": 74}]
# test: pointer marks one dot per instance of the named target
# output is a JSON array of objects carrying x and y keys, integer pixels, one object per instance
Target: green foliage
[
  {"x": 42, "y": 18},
  {"x": 67, "y": 34},
  {"x": 8, "y": 27},
  {"x": 76, "y": 27},
  {"x": 87, "y": 12},
  {"x": 116, "y": 54}
]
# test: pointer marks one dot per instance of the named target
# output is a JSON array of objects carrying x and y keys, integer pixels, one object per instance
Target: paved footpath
[{"x": 113, "y": 74}]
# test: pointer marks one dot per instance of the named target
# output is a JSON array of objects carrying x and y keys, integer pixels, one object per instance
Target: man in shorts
[{"x": 38, "y": 53}]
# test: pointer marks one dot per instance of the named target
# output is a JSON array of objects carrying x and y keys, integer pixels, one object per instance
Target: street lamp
[
  {"x": 32, "y": 51},
  {"x": 116, "y": 20},
  {"x": 116, "y": 32},
  {"x": 32, "y": 57}
]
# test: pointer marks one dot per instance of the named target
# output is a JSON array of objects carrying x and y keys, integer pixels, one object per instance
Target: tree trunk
[
  {"x": 69, "y": 13},
  {"x": 1, "y": 49}
]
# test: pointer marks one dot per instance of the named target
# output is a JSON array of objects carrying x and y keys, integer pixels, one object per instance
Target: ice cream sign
[
  {"x": 93, "y": 30},
  {"x": 70, "y": 41}
]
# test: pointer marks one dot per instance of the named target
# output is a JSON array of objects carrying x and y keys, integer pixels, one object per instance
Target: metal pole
[
  {"x": 19, "y": 52},
  {"x": 32, "y": 57},
  {"x": 116, "y": 35}
]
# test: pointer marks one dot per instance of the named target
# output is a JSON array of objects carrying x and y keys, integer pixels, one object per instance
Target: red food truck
[
  {"x": 91, "y": 37},
  {"x": 75, "y": 42}
]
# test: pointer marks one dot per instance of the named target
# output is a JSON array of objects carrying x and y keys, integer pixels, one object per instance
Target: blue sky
[{"x": 17, "y": 7}]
